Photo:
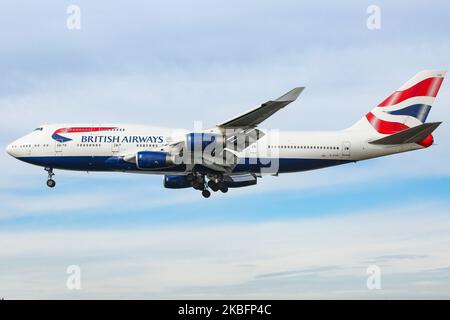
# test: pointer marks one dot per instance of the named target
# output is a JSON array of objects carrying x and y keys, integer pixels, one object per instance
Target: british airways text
[{"x": 119, "y": 139}]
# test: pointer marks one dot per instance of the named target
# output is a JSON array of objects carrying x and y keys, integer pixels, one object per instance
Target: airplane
[{"x": 235, "y": 153}]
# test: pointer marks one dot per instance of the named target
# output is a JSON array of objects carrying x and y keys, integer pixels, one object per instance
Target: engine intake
[{"x": 153, "y": 160}]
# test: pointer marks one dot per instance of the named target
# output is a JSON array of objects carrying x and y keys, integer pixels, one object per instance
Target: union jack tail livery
[{"x": 407, "y": 107}]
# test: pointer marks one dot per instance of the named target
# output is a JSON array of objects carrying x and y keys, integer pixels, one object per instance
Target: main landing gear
[
  {"x": 198, "y": 183},
  {"x": 206, "y": 193},
  {"x": 214, "y": 183},
  {"x": 216, "y": 186},
  {"x": 50, "y": 182}
]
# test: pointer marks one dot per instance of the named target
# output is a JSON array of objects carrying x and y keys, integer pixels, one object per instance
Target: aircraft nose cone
[{"x": 9, "y": 149}]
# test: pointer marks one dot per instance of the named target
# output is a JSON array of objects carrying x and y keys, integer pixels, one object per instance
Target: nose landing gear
[{"x": 50, "y": 182}]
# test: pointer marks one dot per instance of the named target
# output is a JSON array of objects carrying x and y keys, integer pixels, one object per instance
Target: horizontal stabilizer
[{"x": 411, "y": 135}]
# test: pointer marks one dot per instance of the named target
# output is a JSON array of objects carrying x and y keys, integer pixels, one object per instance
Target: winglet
[{"x": 291, "y": 95}]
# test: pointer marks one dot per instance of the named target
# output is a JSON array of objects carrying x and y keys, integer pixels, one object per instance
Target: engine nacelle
[
  {"x": 153, "y": 160},
  {"x": 176, "y": 182},
  {"x": 198, "y": 142}
]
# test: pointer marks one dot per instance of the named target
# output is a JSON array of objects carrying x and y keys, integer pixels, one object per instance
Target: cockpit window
[{"x": 38, "y": 129}]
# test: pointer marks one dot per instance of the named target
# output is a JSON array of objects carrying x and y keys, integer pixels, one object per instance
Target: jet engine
[
  {"x": 176, "y": 182},
  {"x": 153, "y": 160}
]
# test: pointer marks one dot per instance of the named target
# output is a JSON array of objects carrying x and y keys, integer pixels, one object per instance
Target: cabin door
[{"x": 346, "y": 148}]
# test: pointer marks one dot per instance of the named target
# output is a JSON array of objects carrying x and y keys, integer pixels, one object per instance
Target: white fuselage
[{"x": 93, "y": 151}]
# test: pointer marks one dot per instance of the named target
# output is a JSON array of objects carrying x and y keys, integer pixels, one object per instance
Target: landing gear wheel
[
  {"x": 206, "y": 193},
  {"x": 197, "y": 186},
  {"x": 51, "y": 183},
  {"x": 224, "y": 189},
  {"x": 213, "y": 186}
]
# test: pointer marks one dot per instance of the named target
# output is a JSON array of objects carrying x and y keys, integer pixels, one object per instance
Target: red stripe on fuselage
[
  {"x": 428, "y": 87},
  {"x": 82, "y": 129}
]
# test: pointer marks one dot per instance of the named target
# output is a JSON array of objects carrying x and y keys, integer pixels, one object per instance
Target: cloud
[
  {"x": 305, "y": 258},
  {"x": 395, "y": 257},
  {"x": 86, "y": 202},
  {"x": 307, "y": 271}
]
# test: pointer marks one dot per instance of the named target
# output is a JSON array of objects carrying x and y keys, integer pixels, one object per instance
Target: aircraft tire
[
  {"x": 213, "y": 186},
  {"x": 51, "y": 183},
  {"x": 206, "y": 193}
]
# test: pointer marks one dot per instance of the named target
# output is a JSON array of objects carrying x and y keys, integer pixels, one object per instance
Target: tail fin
[{"x": 405, "y": 108}]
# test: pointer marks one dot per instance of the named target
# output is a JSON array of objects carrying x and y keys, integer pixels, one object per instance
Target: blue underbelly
[
  {"x": 285, "y": 165},
  {"x": 107, "y": 163}
]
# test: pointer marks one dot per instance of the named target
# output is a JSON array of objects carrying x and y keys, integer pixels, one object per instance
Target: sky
[{"x": 310, "y": 235}]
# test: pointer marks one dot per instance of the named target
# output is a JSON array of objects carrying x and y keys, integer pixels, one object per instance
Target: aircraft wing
[
  {"x": 254, "y": 117},
  {"x": 239, "y": 134}
]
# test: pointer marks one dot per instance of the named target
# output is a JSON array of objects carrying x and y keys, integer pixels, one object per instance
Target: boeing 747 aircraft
[{"x": 235, "y": 153}]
